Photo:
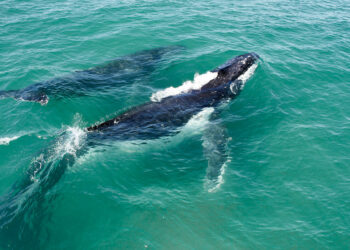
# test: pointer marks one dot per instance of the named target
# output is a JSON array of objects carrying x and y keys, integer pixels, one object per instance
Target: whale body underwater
[
  {"x": 155, "y": 119},
  {"x": 117, "y": 72}
]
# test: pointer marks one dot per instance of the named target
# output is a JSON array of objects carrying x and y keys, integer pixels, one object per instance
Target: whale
[
  {"x": 159, "y": 118},
  {"x": 20, "y": 208},
  {"x": 119, "y": 71},
  {"x": 164, "y": 117}
]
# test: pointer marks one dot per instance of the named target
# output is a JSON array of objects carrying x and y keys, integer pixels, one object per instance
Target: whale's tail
[
  {"x": 8, "y": 93},
  {"x": 23, "y": 95},
  {"x": 23, "y": 207}
]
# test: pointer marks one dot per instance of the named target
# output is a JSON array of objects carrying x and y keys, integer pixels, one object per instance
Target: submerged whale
[
  {"x": 19, "y": 209},
  {"x": 118, "y": 71}
]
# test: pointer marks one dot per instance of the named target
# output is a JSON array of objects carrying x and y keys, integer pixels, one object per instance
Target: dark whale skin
[{"x": 155, "y": 119}]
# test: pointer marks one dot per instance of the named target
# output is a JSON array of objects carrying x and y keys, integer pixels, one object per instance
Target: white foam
[
  {"x": 197, "y": 83},
  {"x": 40, "y": 161},
  {"x": 246, "y": 75},
  {"x": 72, "y": 141},
  {"x": 7, "y": 140}
]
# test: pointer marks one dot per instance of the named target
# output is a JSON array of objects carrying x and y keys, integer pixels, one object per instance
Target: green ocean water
[{"x": 287, "y": 182}]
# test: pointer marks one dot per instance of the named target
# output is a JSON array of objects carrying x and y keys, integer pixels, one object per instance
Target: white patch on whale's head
[
  {"x": 247, "y": 74},
  {"x": 240, "y": 82}
]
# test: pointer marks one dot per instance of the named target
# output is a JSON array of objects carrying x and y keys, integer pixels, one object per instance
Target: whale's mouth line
[{"x": 247, "y": 74}]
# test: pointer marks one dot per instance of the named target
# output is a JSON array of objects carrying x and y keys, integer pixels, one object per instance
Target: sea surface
[{"x": 286, "y": 181}]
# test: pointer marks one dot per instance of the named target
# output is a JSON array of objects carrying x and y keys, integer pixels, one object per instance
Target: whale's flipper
[{"x": 214, "y": 141}]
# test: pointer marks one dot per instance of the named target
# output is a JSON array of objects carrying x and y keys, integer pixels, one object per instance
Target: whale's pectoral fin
[{"x": 214, "y": 143}]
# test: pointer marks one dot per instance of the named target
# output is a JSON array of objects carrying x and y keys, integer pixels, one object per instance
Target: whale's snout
[
  {"x": 237, "y": 69},
  {"x": 255, "y": 55},
  {"x": 238, "y": 63}
]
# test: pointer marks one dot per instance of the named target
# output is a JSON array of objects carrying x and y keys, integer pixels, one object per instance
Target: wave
[
  {"x": 197, "y": 83},
  {"x": 7, "y": 140}
]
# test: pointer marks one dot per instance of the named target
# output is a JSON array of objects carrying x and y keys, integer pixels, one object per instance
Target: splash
[
  {"x": 71, "y": 142},
  {"x": 197, "y": 83}
]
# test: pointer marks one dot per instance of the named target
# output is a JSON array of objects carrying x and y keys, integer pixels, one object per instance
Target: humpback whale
[
  {"x": 122, "y": 70},
  {"x": 154, "y": 119}
]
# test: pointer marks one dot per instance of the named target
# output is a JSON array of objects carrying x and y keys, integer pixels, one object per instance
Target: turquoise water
[{"x": 287, "y": 179}]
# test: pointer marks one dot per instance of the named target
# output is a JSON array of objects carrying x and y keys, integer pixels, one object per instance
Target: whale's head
[
  {"x": 237, "y": 66},
  {"x": 236, "y": 70}
]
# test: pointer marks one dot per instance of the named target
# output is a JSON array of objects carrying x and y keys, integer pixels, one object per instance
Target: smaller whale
[{"x": 122, "y": 70}]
